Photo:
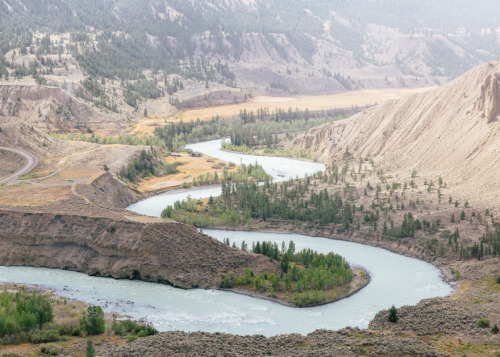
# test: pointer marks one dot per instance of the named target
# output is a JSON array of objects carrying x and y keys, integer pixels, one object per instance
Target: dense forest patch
[{"x": 307, "y": 277}]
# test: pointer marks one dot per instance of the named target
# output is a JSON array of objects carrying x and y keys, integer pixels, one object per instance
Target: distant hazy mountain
[{"x": 299, "y": 46}]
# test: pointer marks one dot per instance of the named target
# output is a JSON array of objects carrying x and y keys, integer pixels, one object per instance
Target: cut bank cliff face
[{"x": 152, "y": 250}]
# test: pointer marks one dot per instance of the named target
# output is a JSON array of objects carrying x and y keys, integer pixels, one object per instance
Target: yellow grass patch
[
  {"x": 318, "y": 102},
  {"x": 31, "y": 195},
  {"x": 191, "y": 167}
]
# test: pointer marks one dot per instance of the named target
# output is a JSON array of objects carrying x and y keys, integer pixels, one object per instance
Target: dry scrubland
[
  {"x": 9, "y": 163},
  {"x": 63, "y": 166}
]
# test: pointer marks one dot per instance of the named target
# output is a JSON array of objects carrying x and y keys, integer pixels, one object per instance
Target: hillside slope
[
  {"x": 52, "y": 109},
  {"x": 452, "y": 131}
]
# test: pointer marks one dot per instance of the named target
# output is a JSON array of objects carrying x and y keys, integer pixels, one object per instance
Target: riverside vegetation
[
  {"x": 242, "y": 174},
  {"x": 262, "y": 127},
  {"x": 354, "y": 197},
  {"x": 39, "y": 318},
  {"x": 307, "y": 278},
  {"x": 254, "y": 133}
]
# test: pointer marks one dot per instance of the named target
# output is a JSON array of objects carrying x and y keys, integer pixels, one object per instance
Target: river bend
[{"x": 395, "y": 279}]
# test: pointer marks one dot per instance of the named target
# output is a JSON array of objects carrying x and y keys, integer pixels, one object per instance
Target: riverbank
[
  {"x": 402, "y": 247},
  {"x": 354, "y": 286},
  {"x": 274, "y": 154},
  {"x": 64, "y": 334}
]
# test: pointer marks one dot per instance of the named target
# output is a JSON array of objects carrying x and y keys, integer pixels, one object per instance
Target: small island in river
[{"x": 307, "y": 278}]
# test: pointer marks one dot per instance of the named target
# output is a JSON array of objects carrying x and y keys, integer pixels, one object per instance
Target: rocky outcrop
[
  {"x": 489, "y": 100},
  {"x": 136, "y": 247}
]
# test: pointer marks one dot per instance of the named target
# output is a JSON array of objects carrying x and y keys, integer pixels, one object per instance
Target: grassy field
[
  {"x": 338, "y": 100},
  {"x": 190, "y": 168}
]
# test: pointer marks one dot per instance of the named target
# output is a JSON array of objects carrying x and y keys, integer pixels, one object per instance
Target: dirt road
[{"x": 31, "y": 163}]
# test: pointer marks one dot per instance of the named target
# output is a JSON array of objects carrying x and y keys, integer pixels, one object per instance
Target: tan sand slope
[{"x": 452, "y": 131}]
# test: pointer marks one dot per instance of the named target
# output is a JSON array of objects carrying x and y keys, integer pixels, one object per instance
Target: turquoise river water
[{"x": 395, "y": 279}]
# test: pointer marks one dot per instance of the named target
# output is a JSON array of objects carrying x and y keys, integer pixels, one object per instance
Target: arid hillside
[
  {"x": 53, "y": 109},
  {"x": 450, "y": 132}
]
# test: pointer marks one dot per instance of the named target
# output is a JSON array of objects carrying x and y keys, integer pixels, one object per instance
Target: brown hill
[
  {"x": 52, "y": 109},
  {"x": 452, "y": 131}
]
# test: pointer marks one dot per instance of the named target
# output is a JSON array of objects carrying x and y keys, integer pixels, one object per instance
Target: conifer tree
[{"x": 393, "y": 314}]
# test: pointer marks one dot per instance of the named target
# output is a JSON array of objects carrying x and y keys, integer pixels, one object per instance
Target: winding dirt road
[{"x": 31, "y": 163}]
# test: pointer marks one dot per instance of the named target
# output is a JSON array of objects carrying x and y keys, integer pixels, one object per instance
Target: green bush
[
  {"x": 129, "y": 326},
  {"x": 483, "y": 322},
  {"x": 90, "y": 352},
  {"x": 93, "y": 321},
  {"x": 21, "y": 312},
  {"x": 497, "y": 278},
  {"x": 50, "y": 350},
  {"x": 118, "y": 328},
  {"x": 170, "y": 169},
  {"x": 45, "y": 336},
  {"x": 68, "y": 329},
  {"x": 15, "y": 339},
  {"x": 76, "y": 331},
  {"x": 446, "y": 234},
  {"x": 226, "y": 283},
  {"x": 309, "y": 298}
]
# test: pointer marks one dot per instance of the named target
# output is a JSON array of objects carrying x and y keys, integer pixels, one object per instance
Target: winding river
[{"x": 395, "y": 280}]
